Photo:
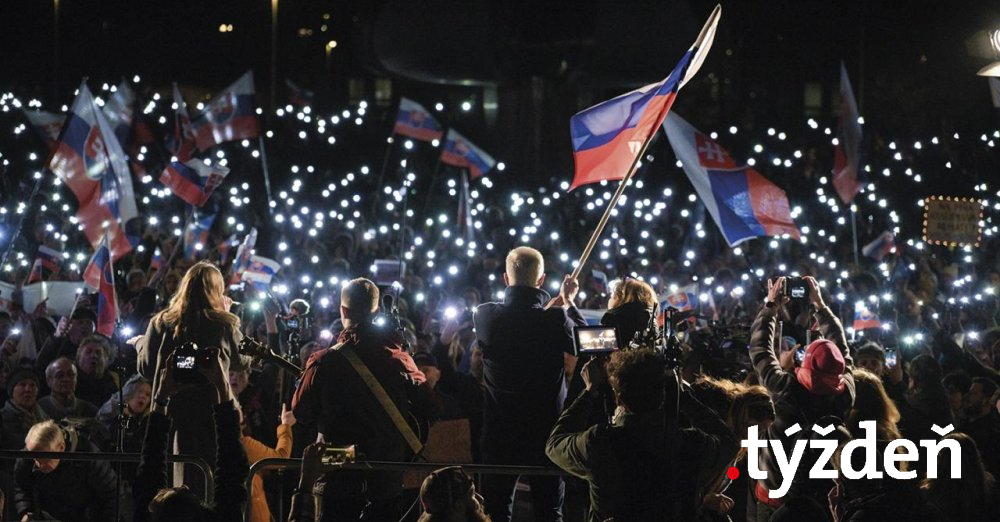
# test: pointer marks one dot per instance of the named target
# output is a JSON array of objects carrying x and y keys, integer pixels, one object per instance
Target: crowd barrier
[{"x": 482, "y": 469}]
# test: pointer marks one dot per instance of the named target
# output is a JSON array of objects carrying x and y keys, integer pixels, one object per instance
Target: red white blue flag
[
  {"x": 90, "y": 161},
  {"x": 119, "y": 111},
  {"x": 864, "y": 318},
  {"x": 196, "y": 235},
  {"x": 193, "y": 181},
  {"x": 882, "y": 246},
  {"x": 460, "y": 152},
  {"x": 243, "y": 254},
  {"x": 100, "y": 276},
  {"x": 47, "y": 125},
  {"x": 847, "y": 168},
  {"x": 184, "y": 142},
  {"x": 230, "y": 116},
  {"x": 608, "y": 137},
  {"x": 261, "y": 270},
  {"x": 416, "y": 122},
  {"x": 47, "y": 262},
  {"x": 743, "y": 203},
  {"x": 683, "y": 299},
  {"x": 156, "y": 261}
]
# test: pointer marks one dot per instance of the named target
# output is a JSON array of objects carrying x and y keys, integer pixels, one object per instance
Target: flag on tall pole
[
  {"x": 193, "y": 181},
  {"x": 743, "y": 203},
  {"x": 847, "y": 167},
  {"x": 90, "y": 161},
  {"x": 196, "y": 235},
  {"x": 100, "y": 276},
  {"x": 414, "y": 121},
  {"x": 48, "y": 125},
  {"x": 458, "y": 151},
  {"x": 184, "y": 141},
  {"x": 608, "y": 137},
  {"x": 230, "y": 116}
]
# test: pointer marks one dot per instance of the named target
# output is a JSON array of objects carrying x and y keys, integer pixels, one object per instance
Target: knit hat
[
  {"x": 20, "y": 374},
  {"x": 822, "y": 370},
  {"x": 443, "y": 488}
]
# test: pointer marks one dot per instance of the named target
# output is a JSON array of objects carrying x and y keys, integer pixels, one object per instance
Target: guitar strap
[{"x": 383, "y": 398}]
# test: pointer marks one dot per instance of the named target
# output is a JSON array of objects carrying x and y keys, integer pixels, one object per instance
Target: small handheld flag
[
  {"x": 261, "y": 270},
  {"x": 193, "y": 181},
  {"x": 864, "y": 318},
  {"x": 196, "y": 235},
  {"x": 414, "y": 121},
  {"x": 458, "y": 151},
  {"x": 100, "y": 276},
  {"x": 47, "y": 125}
]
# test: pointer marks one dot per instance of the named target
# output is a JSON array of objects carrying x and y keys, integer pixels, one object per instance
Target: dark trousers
[
  {"x": 360, "y": 495},
  {"x": 498, "y": 492}
]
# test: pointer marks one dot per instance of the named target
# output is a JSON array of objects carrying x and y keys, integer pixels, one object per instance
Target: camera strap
[{"x": 383, "y": 398}]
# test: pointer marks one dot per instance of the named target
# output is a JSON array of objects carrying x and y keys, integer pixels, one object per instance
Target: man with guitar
[{"x": 366, "y": 391}]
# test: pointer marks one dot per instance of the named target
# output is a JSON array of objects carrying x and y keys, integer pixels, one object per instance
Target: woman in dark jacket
[{"x": 198, "y": 313}]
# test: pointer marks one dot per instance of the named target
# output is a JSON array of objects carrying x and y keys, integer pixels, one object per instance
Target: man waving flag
[
  {"x": 90, "y": 161},
  {"x": 608, "y": 137}
]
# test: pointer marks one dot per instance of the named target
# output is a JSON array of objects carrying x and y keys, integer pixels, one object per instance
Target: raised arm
[{"x": 762, "y": 338}]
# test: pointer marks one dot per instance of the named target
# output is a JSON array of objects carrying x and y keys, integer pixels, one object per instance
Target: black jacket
[
  {"x": 523, "y": 346},
  {"x": 74, "y": 491}
]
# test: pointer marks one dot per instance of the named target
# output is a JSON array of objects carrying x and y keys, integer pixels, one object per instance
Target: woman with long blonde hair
[{"x": 198, "y": 313}]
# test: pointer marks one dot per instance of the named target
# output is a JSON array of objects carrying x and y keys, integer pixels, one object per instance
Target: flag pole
[
  {"x": 381, "y": 173},
  {"x": 267, "y": 176},
  {"x": 611, "y": 206},
  {"x": 854, "y": 233},
  {"x": 20, "y": 223},
  {"x": 430, "y": 188}
]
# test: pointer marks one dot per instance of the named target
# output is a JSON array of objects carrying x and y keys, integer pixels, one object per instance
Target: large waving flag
[
  {"x": 460, "y": 152},
  {"x": 119, "y": 110},
  {"x": 196, "y": 235},
  {"x": 90, "y": 161},
  {"x": 47, "y": 262},
  {"x": 100, "y": 276},
  {"x": 743, "y": 203},
  {"x": 230, "y": 116},
  {"x": 261, "y": 270},
  {"x": 193, "y": 181},
  {"x": 47, "y": 125},
  {"x": 608, "y": 137},
  {"x": 184, "y": 142},
  {"x": 416, "y": 122},
  {"x": 847, "y": 168}
]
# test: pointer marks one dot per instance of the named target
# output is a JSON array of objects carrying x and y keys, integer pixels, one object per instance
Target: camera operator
[
  {"x": 523, "y": 343},
  {"x": 641, "y": 468},
  {"x": 198, "y": 313},
  {"x": 334, "y": 396},
  {"x": 822, "y": 386}
]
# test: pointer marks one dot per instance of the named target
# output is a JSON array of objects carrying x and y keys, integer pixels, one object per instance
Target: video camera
[{"x": 188, "y": 357}]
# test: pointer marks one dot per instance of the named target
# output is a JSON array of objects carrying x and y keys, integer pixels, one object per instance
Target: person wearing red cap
[{"x": 820, "y": 389}]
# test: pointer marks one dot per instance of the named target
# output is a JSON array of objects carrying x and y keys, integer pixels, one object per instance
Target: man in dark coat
[{"x": 524, "y": 341}]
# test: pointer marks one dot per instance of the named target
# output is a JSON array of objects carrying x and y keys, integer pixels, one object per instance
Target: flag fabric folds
[
  {"x": 119, "y": 111},
  {"x": 864, "y": 318},
  {"x": 193, "y": 181},
  {"x": 743, "y": 203},
  {"x": 608, "y": 137},
  {"x": 196, "y": 235},
  {"x": 299, "y": 96},
  {"x": 414, "y": 121},
  {"x": 100, "y": 276},
  {"x": 847, "y": 168},
  {"x": 261, "y": 270},
  {"x": 184, "y": 142},
  {"x": 882, "y": 246},
  {"x": 458, "y": 151},
  {"x": 243, "y": 254},
  {"x": 90, "y": 161},
  {"x": 47, "y": 125},
  {"x": 230, "y": 116},
  {"x": 47, "y": 262}
]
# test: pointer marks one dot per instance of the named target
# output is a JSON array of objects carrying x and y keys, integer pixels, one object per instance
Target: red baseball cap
[{"x": 822, "y": 370}]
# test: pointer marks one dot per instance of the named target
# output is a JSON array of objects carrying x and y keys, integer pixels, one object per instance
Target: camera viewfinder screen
[
  {"x": 798, "y": 292},
  {"x": 185, "y": 362},
  {"x": 596, "y": 339}
]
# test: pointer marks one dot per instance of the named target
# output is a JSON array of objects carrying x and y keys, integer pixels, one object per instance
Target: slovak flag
[
  {"x": 157, "y": 260},
  {"x": 882, "y": 246},
  {"x": 847, "y": 168},
  {"x": 416, "y": 122},
  {"x": 864, "y": 318},
  {"x": 90, "y": 161},
  {"x": 119, "y": 110},
  {"x": 460, "y": 152},
  {"x": 47, "y": 125},
  {"x": 608, "y": 137},
  {"x": 193, "y": 181},
  {"x": 47, "y": 262},
  {"x": 196, "y": 235},
  {"x": 184, "y": 142},
  {"x": 261, "y": 270},
  {"x": 683, "y": 299},
  {"x": 743, "y": 203},
  {"x": 230, "y": 116},
  {"x": 100, "y": 276},
  {"x": 243, "y": 254}
]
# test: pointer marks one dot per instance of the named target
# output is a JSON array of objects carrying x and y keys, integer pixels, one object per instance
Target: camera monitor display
[
  {"x": 595, "y": 339},
  {"x": 387, "y": 271}
]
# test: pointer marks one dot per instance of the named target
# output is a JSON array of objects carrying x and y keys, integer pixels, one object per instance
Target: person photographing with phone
[{"x": 198, "y": 317}]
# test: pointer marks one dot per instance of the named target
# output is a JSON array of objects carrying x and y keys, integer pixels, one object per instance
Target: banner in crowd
[
  {"x": 608, "y": 137},
  {"x": 193, "y": 181},
  {"x": 90, "y": 161},
  {"x": 742, "y": 202},
  {"x": 414, "y": 121},
  {"x": 61, "y": 295},
  {"x": 261, "y": 270},
  {"x": 230, "y": 116},
  {"x": 458, "y": 151},
  {"x": 952, "y": 221},
  {"x": 847, "y": 168},
  {"x": 47, "y": 125}
]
